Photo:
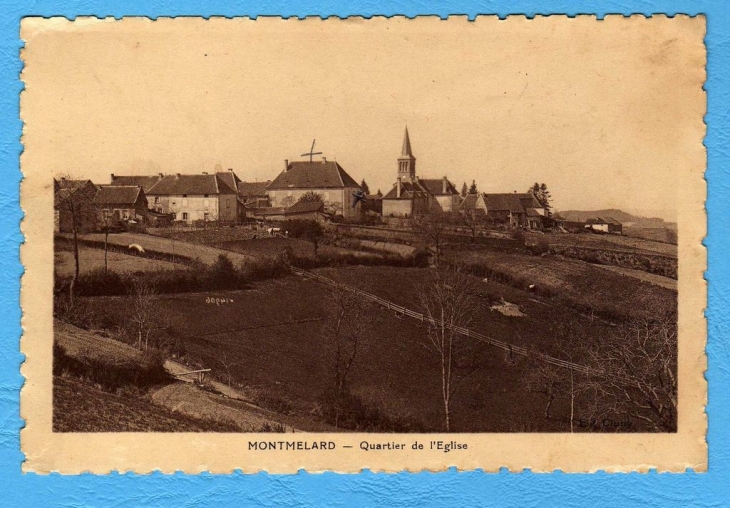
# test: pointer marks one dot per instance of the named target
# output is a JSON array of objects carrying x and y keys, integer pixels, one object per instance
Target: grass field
[
  {"x": 270, "y": 338},
  {"x": 609, "y": 242},
  {"x": 579, "y": 284},
  {"x": 81, "y": 407},
  {"x": 91, "y": 258}
]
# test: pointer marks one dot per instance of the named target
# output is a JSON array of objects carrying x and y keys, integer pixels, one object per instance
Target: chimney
[
  {"x": 324, "y": 160},
  {"x": 398, "y": 188},
  {"x": 286, "y": 165},
  {"x": 112, "y": 177},
  {"x": 230, "y": 169},
  {"x": 444, "y": 185},
  {"x": 205, "y": 172},
  {"x": 177, "y": 175},
  {"x": 161, "y": 175}
]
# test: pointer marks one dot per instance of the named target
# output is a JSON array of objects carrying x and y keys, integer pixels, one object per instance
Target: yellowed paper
[{"x": 608, "y": 112}]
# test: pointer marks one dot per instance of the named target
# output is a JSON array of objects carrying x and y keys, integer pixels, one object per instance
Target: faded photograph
[
  {"x": 369, "y": 226},
  {"x": 214, "y": 271}
]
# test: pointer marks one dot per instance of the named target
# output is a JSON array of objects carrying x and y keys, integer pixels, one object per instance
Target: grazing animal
[
  {"x": 274, "y": 230},
  {"x": 137, "y": 247}
]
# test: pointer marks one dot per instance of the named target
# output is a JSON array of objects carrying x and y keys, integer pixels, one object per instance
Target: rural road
[{"x": 207, "y": 255}]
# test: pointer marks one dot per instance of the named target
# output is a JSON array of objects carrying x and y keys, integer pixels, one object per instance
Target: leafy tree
[
  {"x": 473, "y": 187},
  {"x": 308, "y": 229},
  {"x": 542, "y": 194},
  {"x": 311, "y": 197},
  {"x": 464, "y": 190},
  {"x": 364, "y": 187}
]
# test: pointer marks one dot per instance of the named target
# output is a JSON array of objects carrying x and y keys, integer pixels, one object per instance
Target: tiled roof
[
  {"x": 504, "y": 202},
  {"x": 531, "y": 212},
  {"x": 469, "y": 202},
  {"x": 229, "y": 179},
  {"x": 194, "y": 185},
  {"x": 305, "y": 207},
  {"x": 253, "y": 189},
  {"x": 436, "y": 186},
  {"x": 146, "y": 182},
  {"x": 117, "y": 194},
  {"x": 313, "y": 175},
  {"x": 603, "y": 220},
  {"x": 409, "y": 190}
]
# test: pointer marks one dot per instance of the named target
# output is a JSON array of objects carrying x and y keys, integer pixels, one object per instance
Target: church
[{"x": 417, "y": 196}]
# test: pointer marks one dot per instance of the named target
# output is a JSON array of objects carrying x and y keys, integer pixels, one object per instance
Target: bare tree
[
  {"x": 636, "y": 373},
  {"x": 433, "y": 227},
  {"x": 449, "y": 303},
  {"x": 227, "y": 365},
  {"x": 142, "y": 316},
  {"x": 348, "y": 319},
  {"x": 106, "y": 221},
  {"x": 73, "y": 201}
]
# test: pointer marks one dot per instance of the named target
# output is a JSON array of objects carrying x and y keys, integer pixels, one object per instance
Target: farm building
[
  {"x": 73, "y": 205},
  {"x": 513, "y": 209},
  {"x": 312, "y": 210},
  {"x": 116, "y": 203},
  {"x": 605, "y": 225},
  {"x": 144, "y": 181},
  {"x": 411, "y": 195},
  {"x": 326, "y": 178},
  {"x": 197, "y": 197},
  {"x": 254, "y": 194}
]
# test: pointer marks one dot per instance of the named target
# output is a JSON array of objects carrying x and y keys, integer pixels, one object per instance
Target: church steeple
[{"x": 406, "y": 162}]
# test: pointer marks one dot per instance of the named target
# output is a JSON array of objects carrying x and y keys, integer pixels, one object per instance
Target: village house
[
  {"x": 254, "y": 194},
  {"x": 144, "y": 181},
  {"x": 412, "y": 195},
  {"x": 307, "y": 210},
  {"x": 605, "y": 225},
  {"x": 73, "y": 202},
  {"x": 511, "y": 209},
  {"x": 117, "y": 203},
  {"x": 326, "y": 178},
  {"x": 194, "y": 198}
]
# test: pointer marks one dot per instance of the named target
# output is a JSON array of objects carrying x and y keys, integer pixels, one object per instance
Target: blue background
[{"x": 425, "y": 489}]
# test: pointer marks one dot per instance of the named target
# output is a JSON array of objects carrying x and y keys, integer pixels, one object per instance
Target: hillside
[{"x": 619, "y": 215}]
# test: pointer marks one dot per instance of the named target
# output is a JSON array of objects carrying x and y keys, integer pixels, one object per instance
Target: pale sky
[{"x": 603, "y": 112}]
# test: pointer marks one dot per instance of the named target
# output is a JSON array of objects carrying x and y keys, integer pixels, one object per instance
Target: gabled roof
[
  {"x": 504, "y": 202},
  {"x": 529, "y": 200},
  {"x": 305, "y": 207},
  {"x": 195, "y": 185},
  {"x": 409, "y": 190},
  {"x": 146, "y": 182},
  {"x": 603, "y": 220},
  {"x": 118, "y": 195},
  {"x": 435, "y": 186},
  {"x": 229, "y": 179},
  {"x": 532, "y": 212},
  {"x": 253, "y": 189},
  {"x": 313, "y": 175},
  {"x": 469, "y": 202}
]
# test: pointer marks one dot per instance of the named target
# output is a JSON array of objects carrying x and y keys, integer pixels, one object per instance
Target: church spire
[
  {"x": 406, "y": 162},
  {"x": 406, "y": 151}
]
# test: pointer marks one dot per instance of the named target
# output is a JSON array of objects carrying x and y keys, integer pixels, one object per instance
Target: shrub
[{"x": 112, "y": 376}]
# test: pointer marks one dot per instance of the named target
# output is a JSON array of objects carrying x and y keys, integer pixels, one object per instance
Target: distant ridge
[{"x": 619, "y": 215}]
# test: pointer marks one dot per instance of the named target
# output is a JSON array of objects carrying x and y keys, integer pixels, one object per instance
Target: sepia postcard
[{"x": 343, "y": 244}]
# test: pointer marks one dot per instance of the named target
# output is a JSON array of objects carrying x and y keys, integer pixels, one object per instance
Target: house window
[
  {"x": 157, "y": 199},
  {"x": 185, "y": 215},
  {"x": 205, "y": 216},
  {"x": 125, "y": 214}
]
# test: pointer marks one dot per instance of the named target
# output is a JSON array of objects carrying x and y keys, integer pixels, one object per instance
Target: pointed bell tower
[{"x": 406, "y": 161}]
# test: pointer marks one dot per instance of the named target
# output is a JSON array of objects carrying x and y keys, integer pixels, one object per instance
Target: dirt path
[{"x": 207, "y": 255}]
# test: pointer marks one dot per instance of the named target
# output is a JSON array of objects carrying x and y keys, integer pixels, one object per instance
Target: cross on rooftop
[{"x": 311, "y": 151}]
